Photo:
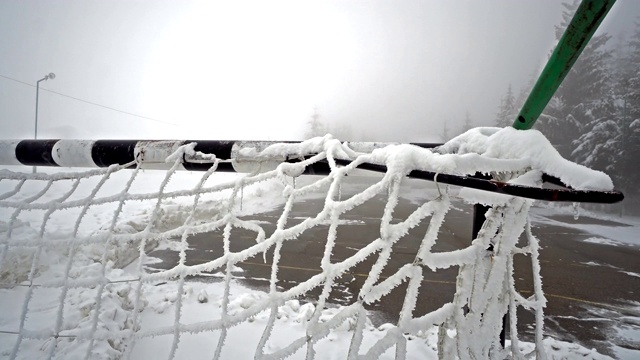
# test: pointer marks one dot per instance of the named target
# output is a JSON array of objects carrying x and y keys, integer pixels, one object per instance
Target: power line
[
  {"x": 110, "y": 108},
  {"x": 90, "y": 102},
  {"x": 21, "y": 82}
]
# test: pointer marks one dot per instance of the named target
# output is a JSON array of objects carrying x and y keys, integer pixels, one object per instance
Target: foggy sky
[{"x": 392, "y": 70}]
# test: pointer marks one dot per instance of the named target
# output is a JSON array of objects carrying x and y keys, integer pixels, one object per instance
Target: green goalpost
[{"x": 586, "y": 20}]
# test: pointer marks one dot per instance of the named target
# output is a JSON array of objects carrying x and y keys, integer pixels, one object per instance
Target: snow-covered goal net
[{"x": 77, "y": 278}]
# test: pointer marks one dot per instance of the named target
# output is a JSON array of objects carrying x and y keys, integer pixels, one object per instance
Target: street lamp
[{"x": 46, "y": 77}]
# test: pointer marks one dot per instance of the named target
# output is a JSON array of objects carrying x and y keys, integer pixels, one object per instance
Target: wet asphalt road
[{"x": 585, "y": 302}]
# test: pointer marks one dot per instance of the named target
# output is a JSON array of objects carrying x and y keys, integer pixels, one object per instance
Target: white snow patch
[
  {"x": 629, "y": 334},
  {"x": 603, "y": 241},
  {"x": 623, "y": 353},
  {"x": 160, "y": 308},
  {"x": 557, "y": 349},
  {"x": 591, "y": 263},
  {"x": 339, "y": 222},
  {"x": 631, "y": 274},
  {"x": 628, "y": 233}
]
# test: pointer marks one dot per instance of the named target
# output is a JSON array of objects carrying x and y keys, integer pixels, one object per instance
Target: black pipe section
[
  {"x": 221, "y": 149},
  {"x": 108, "y": 152},
  {"x": 36, "y": 152},
  {"x": 571, "y": 195}
]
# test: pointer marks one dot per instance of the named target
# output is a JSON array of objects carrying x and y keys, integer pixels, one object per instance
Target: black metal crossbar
[
  {"x": 102, "y": 153},
  {"x": 529, "y": 192}
]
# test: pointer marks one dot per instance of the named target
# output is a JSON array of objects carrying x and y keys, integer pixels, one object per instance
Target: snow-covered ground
[
  {"x": 202, "y": 301},
  {"x": 626, "y": 232}
]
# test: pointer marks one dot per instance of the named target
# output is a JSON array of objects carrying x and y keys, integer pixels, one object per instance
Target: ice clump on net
[{"x": 485, "y": 287}]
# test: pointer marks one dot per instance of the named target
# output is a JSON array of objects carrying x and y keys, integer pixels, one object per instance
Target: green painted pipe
[{"x": 586, "y": 20}]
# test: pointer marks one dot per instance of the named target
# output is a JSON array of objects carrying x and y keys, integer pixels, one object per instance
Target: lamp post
[{"x": 46, "y": 77}]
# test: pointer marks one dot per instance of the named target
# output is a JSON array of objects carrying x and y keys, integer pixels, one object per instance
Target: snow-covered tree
[
  {"x": 599, "y": 146},
  {"x": 445, "y": 133},
  {"x": 570, "y": 115},
  {"x": 559, "y": 126},
  {"x": 611, "y": 141},
  {"x": 507, "y": 111},
  {"x": 627, "y": 92},
  {"x": 315, "y": 127},
  {"x": 630, "y": 76},
  {"x": 467, "y": 124}
]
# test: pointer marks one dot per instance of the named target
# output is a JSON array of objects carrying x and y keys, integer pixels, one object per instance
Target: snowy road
[{"x": 592, "y": 285}]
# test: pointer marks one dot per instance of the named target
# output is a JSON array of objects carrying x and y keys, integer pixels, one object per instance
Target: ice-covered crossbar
[{"x": 63, "y": 244}]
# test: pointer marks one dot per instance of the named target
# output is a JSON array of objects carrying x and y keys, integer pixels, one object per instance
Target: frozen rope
[{"x": 485, "y": 288}]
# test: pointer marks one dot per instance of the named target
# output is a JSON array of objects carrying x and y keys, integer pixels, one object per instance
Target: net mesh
[{"x": 78, "y": 282}]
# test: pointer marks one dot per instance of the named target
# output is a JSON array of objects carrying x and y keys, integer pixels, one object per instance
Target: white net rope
[{"x": 99, "y": 308}]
